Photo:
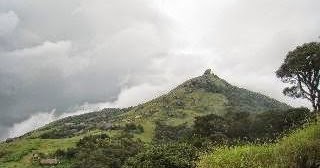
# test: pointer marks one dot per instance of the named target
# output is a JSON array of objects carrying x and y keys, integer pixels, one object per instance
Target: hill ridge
[{"x": 198, "y": 96}]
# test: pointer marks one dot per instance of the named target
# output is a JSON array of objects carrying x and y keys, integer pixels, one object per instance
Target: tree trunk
[{"x": 314, "y": 104}]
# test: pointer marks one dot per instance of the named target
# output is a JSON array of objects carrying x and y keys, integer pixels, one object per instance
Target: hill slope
[{"x": 206, "y": 94}]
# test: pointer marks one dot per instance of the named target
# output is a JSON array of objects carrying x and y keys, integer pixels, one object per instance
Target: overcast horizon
[{"x": 61, "y": 58}]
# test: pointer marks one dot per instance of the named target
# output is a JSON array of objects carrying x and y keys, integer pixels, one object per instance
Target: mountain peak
[
  {"x": 207, "y": 72},
  {"x": 240, "y": 99},
  {"x": 206, "y": 81}
]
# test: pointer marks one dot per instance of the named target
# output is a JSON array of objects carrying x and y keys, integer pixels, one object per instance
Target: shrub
[
  {"x": 165, "y": 133},
  {"x": 133, "y": 128},
  {"x": 174, "y": 155},
  {"x": 270, "y": 124},
  {"x": 105, "y": 152},
  {"x": 209, "y": 125}
]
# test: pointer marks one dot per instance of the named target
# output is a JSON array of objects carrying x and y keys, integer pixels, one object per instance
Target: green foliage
[
  {"x": 101, "y": 151},
  {"x": 3, "y": 153},
  {"x": 133, "y": 128},
  {"x": 10, "y": 155},
  {"x": 165, "y": 133},
  {"x": 235, "y": 126},
  {"x": 173, "y": 155},
  {"x": 19, "y": 152},
  {"x": 76, "y": 125},
  {"x": 271, "y": 124},
  {"x": 299, "y": 149},
  {"x": 61, "y": 133},
  {"x": 211, "y": 126},
  {"x": 239, "y": 125},
  {"x": 239, "y": 99}
]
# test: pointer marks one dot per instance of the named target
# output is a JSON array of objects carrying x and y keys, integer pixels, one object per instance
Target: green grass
[
  {"x": 148, "y": 132},
  {"x": 165, "y": 108},
  {"x": 19, "y": 153},
  {"x": 291, "y": 151}
]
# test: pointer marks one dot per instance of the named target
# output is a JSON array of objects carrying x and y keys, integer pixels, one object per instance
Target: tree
[
  {"x": 171, "y": 155},
  {"x": 301, "y": 69},
  {"x": 269, "y": 125},
  {"x": 211, "y": 126},
  {"x": 239, "y": 125},
  {"x": 166, "y": 133},
  {"x": 101, "y": 151}
]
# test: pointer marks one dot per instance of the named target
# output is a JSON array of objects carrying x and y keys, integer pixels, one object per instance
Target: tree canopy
[{"x": 301, "y": 69}]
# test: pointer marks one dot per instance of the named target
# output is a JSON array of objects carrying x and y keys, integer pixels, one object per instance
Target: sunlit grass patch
[
  {"x": 300, "y": 148},
  {"x": 19, "y": 153}
]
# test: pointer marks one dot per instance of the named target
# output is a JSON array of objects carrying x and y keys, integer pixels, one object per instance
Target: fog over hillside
[{"x": 60, "y": 58}]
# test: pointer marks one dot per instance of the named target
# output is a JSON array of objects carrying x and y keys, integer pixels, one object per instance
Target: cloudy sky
[{"x": 60, "y": 58}]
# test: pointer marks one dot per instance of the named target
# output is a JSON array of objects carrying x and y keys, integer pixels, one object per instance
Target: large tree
[{"x": 301, "y": 69}]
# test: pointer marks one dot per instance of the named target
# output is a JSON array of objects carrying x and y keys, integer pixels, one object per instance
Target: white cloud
[{"x": 35, "y": 121}]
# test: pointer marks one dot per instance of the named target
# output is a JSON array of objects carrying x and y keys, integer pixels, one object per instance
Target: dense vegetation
[
  {"x": 101, "y": 151},
  {"x": 173, "y": 155},
  {"x": 300, "y": 149}
]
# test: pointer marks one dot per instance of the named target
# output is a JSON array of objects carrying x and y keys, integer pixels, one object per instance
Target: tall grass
[{"x": 299, "y": 149}]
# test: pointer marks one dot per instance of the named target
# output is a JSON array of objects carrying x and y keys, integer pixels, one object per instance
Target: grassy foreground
[{"x": 299, "y": 149}]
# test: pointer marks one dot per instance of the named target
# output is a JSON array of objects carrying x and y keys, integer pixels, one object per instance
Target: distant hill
[{"x": 203, "y": 95}]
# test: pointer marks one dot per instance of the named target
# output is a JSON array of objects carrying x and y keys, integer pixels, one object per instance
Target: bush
[
  {"x": 3, "y": 153},
  {"x": 133, "y": 128},
  {"x": 104, "y": 152},
  {"x": 209, "y": 125},
  {"x": 271, "y": 124},
  {"x": 165, "y": 133},
  {"x": 236, "y": 127},
  {"x": 66, "y": 154},
  {"x": 101, "y": 151},
  {"x": 239, "y": 125},
  {"x": 174, "y": 155}
]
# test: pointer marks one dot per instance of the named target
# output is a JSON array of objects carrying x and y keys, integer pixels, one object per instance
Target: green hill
[
  {"x": 206, "y": 94},
  {"x": 200, "y": 96}
]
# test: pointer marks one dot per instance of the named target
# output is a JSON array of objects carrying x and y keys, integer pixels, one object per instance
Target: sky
[{"x": 63, "y": 58}]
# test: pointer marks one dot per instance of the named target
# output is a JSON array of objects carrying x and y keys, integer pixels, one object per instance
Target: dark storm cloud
[{"x": 58, "y": 55}]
